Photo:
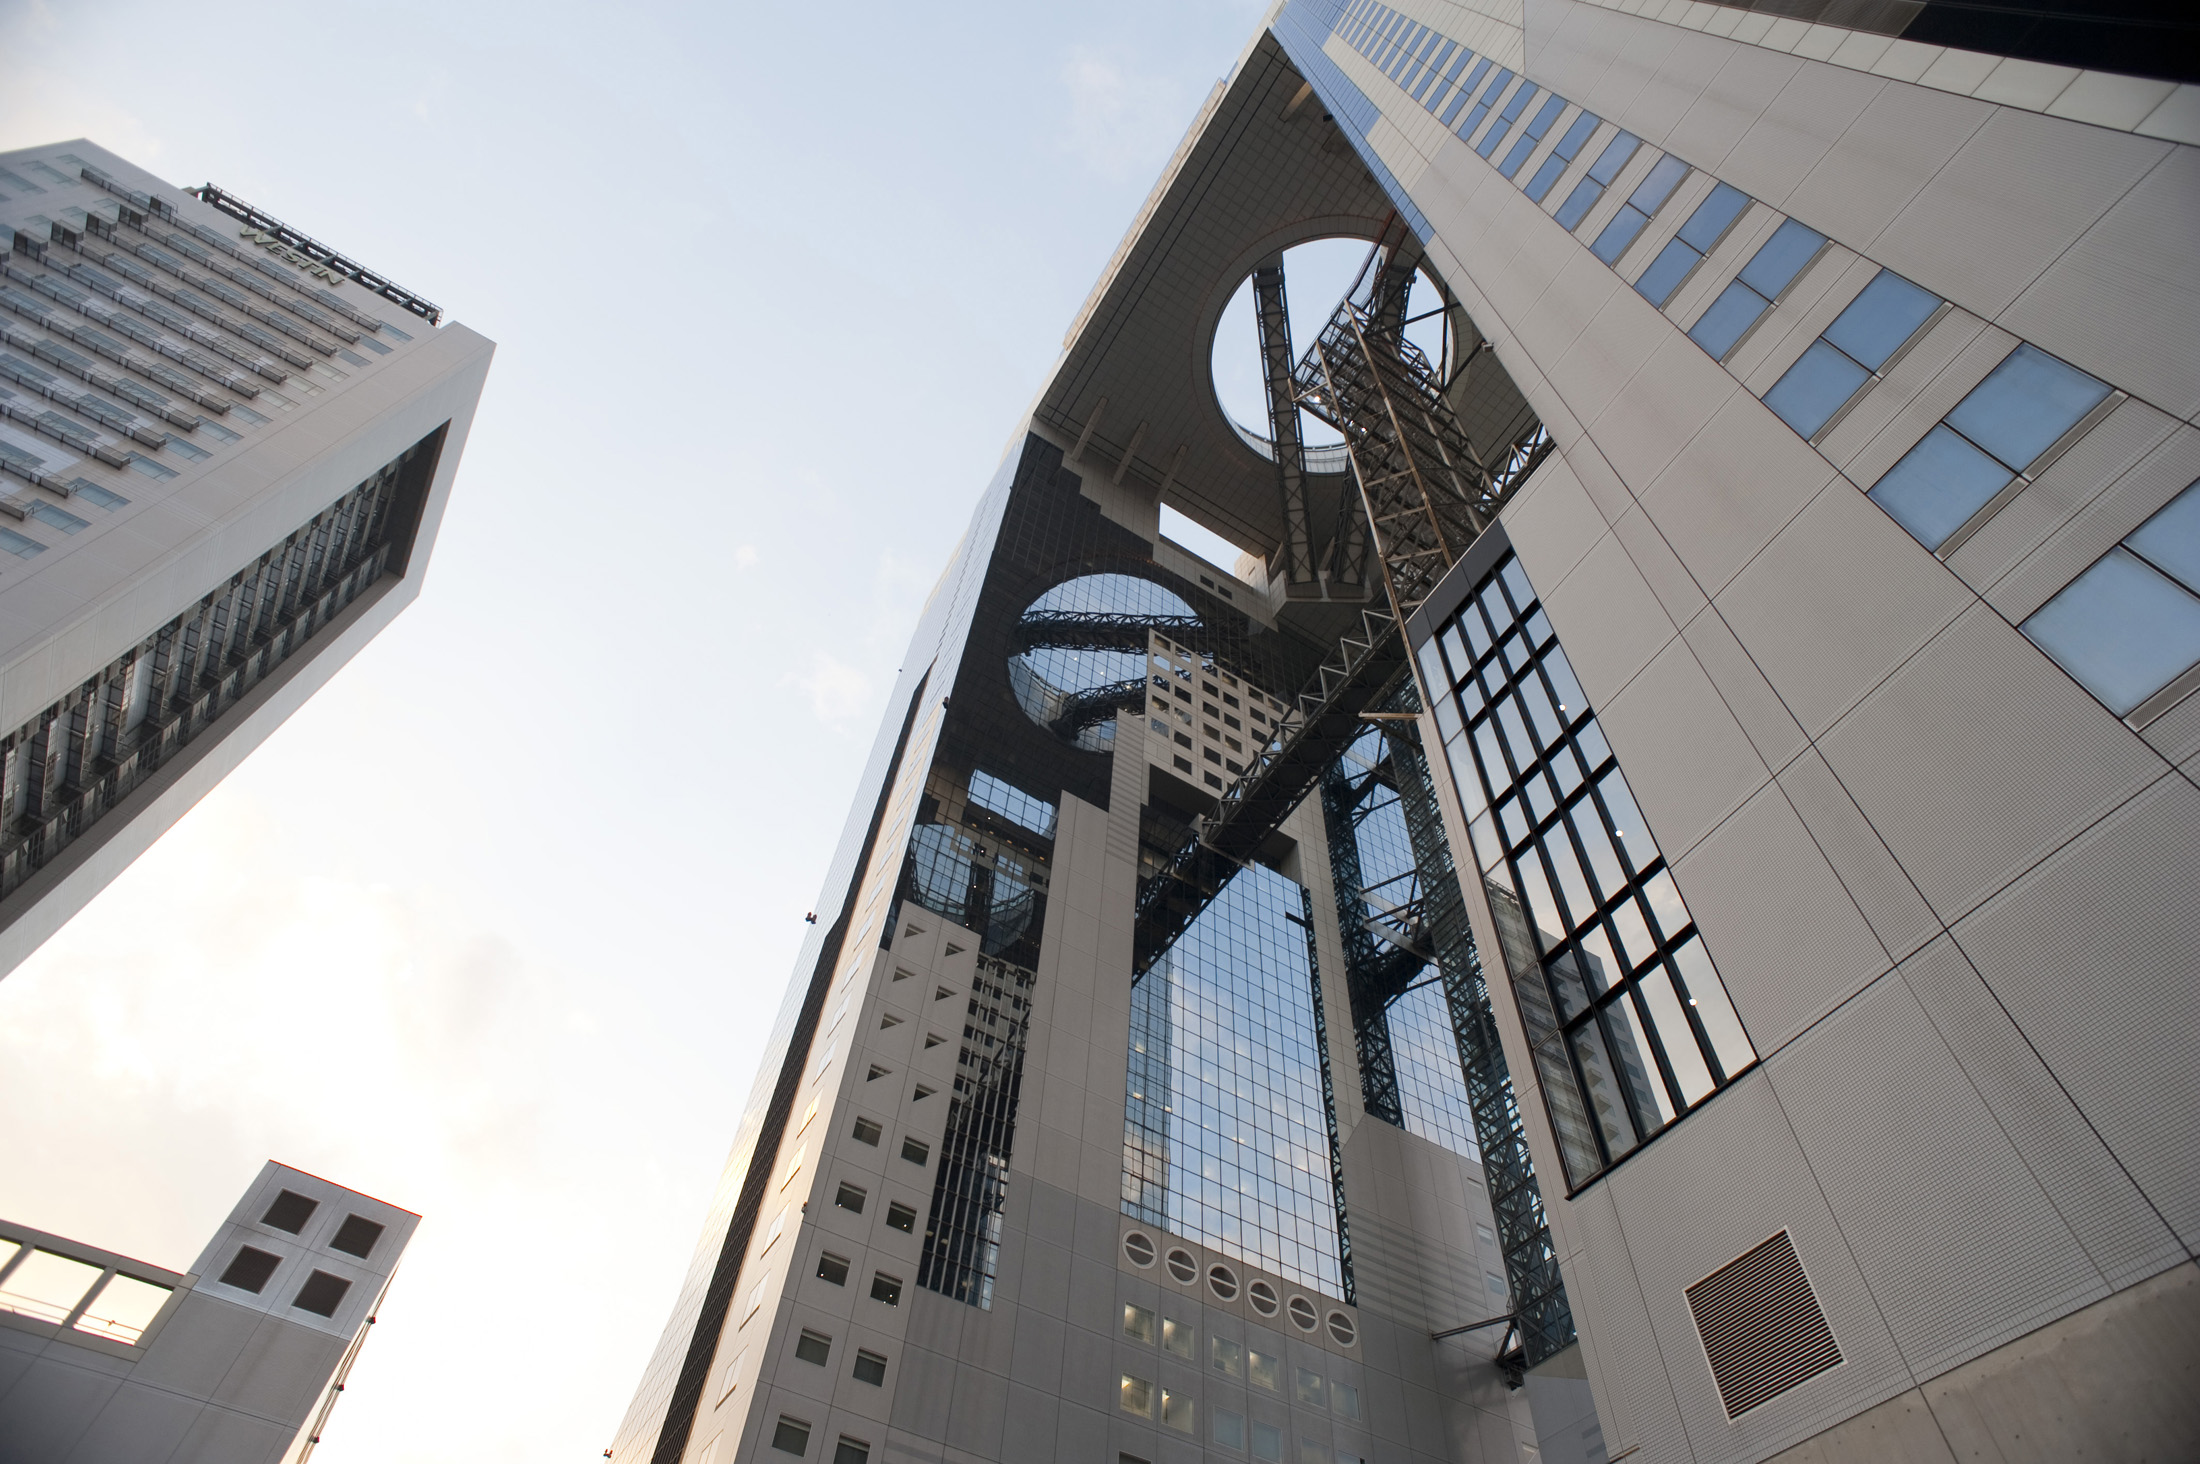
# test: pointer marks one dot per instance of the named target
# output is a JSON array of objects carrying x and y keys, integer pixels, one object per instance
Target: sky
[{"x": 492, "y": 927}]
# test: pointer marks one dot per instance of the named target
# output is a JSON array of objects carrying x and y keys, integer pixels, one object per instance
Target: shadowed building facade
[{"x": 1649, "y": 915}]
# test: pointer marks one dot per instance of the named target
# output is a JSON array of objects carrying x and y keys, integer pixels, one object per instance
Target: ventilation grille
[{"x": 1762, "y": 1327}]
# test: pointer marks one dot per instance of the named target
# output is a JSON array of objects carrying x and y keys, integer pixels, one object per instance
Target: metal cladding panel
[
  {"x": 2093, "y": 469},
  {"x": 1799, "y": 126},
  {"x": 1891, "y": 153},
  {"x": 2121, "y": 1233},
  {"x": 1686, "y": 757},
  {"x": 1978, "y": 757},
  {"x": 1553, "y": 522},
  {"x": 1731, "y": 105},
  {"x": 2115, "y": 512},
  {"x": 1962, "y": 1247},
  {"x": 1732, "y": 489},
  {"x": 2019, "y": 192},
  {"x": 2092, "y": 954},
  {"x": 1836, "y": 602},
  {"x": 1765, "y": 719},
  {"x": 1790, "y": 943},
  {"x": 1616, "y": 1329},
  {"x": 1710, "y": 1189},
  {"x": 2122, "y": 302},
  {"x": 1897, "y": 913},
  {"x": 1608, "y": 620}
]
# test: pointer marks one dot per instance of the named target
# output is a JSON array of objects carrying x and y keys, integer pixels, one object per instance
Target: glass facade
[
  {"x": 1424, "y": 1051},
  {"x": 1630, "y": 1024},
  {"x": 1078, "y": 662},
  {"x": 1228, "y": 1133}
]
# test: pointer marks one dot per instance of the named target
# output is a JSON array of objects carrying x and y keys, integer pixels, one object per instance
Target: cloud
[
  {"x": 839, "y": 693},
  {"x": 1122, "y": 123},
  {"x": 745, "y": 557},
  {"x": 38, "y": 106}
]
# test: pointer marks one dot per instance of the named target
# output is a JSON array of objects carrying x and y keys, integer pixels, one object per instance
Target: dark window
[
  {"x": 848, "y": 1451},
  {"x": 901, "y": 1217},
  {"x": 870, "y": 1368},
  {"x": 356, "y": 1236},
  {"x": 813, "y": 1347},
  {"x": 290, "y": 1211},
  {"x": 250, "y": 1270},
  {"x": 832, "y": 1268},
  {"x": 321, "y": 1294},
  {"x": 868, "y": 1132},
  {"x": 850, "y": 1199},
  {"x": 886, "y": 1288},
  {"x": 791, "y": 1436},
  {"x": 915, "y": 1152}
]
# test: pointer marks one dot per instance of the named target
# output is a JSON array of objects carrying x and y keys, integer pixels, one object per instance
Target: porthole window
[
  {"x": 1303, "y": 1314},
  {"x": 1263, "y": 1298},
  {"x": 1138, "y": 1246},
  {"x": 1341, "y": 1329},
  {"x": 1183, "y": 1267},
  {"x": 1223, "y": 1282}
]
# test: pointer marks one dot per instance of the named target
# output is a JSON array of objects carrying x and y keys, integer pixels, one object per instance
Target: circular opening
[
  {"x": 1183, "y": 1267},
  {"x": 1303, "y": 1313},
  {"x": 1342, "y": 1329},
  {"x": 1222, "y": 1281},
  {"x": 1072, "y": 671},
  {"x": 1263, "y": 1298},
  {"x": 1139, "y": 1248},
  {"x": 1316, "y": 275}
]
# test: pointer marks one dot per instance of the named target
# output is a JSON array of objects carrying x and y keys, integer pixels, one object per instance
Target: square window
[
  {"x": 870, "y": 1368},
  {"x": 2025, "y": 404},
  {"x": 813, "y": 1347},
  {"x": 1268, "y": 1443},
  {"x": 867, "y": 1132},
  {"x": 1265, "y": 1371},
  {"x": 1814, "y": 388},
  {"x": 1345, "y": 1399},
  {"x": 901, "y": 1217},
  {"x": 2123, "y": 630},
  {"x": 1713, "y": 217},
  {"x": 1879, "y": 320},
  {"x": 791, "y": 1436},
  {"x": 1177, "y": 1338},
  {"x": 915, "y": 1152},
  {"x": 1310, "y": 1390},
  {"x": 1176, "y": 1410},
  {"x": 321, "y": 1294},
  {"x": 290, "y": 1212},
  {"x": 1312, "y": 1450},
  {"x": 1666, "y": 272},
  {"x": 250, "y": 1270},
  {"x": 1226, "y": 1357},
  {"x": 850, "y": 1199},
  {"x": 356, "y": 1236},
  {"x": 1938, "y": 485},
  {"x": 1229, "y": 1429},
  {"x": 849, "y": 1451},
  {"x": 1136, "y": 1396},
  {"x": 1781, "y": 258},
  {"x": 58, "y": 518},
  {"x": 832, "y": 1268},
  {"x": 886, "y": 1288},
  {"x": 1137, "y": 1322}
]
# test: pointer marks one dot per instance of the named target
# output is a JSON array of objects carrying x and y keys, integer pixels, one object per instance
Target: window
[
  {"x": 867, "y": 1132},
  {"x": 23, "y": 547},
  {"x": 1229, "y": 1429},
  {"x": 188, "y": 449},
  {"x": 915, "y": 1152},
  {"x": 850, "y": 1199},
  {"x": 48, "y": 1285},
  {"x": 809, "y": 1114},
  {"x": 1995, "y": 435},
  {"x": 1345, "y": 1399},
  {"x": 886, "y": 1288},
  {"x": 373, "y": 345},
  {"x": 1616, "y": 155},
  {"x": 1466, "y": 92},
  {"x": 1264, "y": 1371},
  {"x": 356, "y": 1236},
  {"x": 250, "y": 1270},
  {"x": 813, "y": 1347},
  {"x": 1545, "y": 115},
  {"x": 1312, "y": 1450},
  {"x": 901, "y": 1217},
  {"x": 755, "y": 1302},
  {"x": 1628, "y": 1021},
  {"x": 1267, "y": 1443},
  {"x": 1481, "y": 108},
  {"x": 850, "y": 1451},
  {"x": 1569, "y": 147},
  {"x": 1505, "y": 119},
  {"x": 2130, "y": 625},
  {"x": 1309, "y": 1390},
  {"x": 1877, "y": 323},
  {"x": 732, "y": 1377},
  {"x": 832, "y": 1268},
  {"x": 1176, "y": 1410},
  {"x": 57, "y": 518},
  {"x": 290, "y": 1212},
  {"x": 771, "y": 1236},
  {"x": 97, "y": 496},
  {"x": 123, "y": 1309},
  {"x": 1770, "y": 271},
  {"x": 1226, "y": 1357},
  {"x": 1136, "y": 1396},
  {"x": 1012, "y": 803},
  {"x": 1177, "y": 1339},
  {"x": 1641, "y": 206},
  {"x": 1679, "y": 258},
  {"x": 870, "y": 1368},
  {"x": 791, "y": 1436},
  {"x": 321, "y": 1294},
  {"x": 208, "y": 424},
  {"x": 1137, "y": 1322}
]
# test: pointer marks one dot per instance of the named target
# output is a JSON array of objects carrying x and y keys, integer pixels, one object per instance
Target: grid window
[
  {"x": 1539, "y": 124},
  {"x": 1466, "y": 92},
  {"x": 1012, "y": 803},
  {"x": 2130, "y": 625},
  {"x": 1228, "y": 1137},
  {"x": 1482, "y": 104},
  {"x": 1568, "y": 148},
  {"x": 1994, "y": 435},
  {"x": 1770, "y": 271},
  {"x": 1704, "y": 229},
  {"x": 1495, "y": 137},
  {"x": 1861, "y": 340},
  {"x": 1641, "y": 206},
  {"x": 1616, "y": 155},
  {"x": 1628, "y": 1021}
]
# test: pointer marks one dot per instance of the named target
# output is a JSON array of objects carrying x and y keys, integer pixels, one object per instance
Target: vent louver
[{"x": 1762, "y": 1328}]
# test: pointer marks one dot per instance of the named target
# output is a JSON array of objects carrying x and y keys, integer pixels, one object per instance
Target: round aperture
[
  {"x": 1316, "y": 277},
  {"x": 1138, "y": 1247},
  {"x": 1079, "y": 653},
  {"x": 1183, "y": 1267},
  {"x": 1303, "y": 1314},
  {"x": 1223, "y": 1282},
  {"x": 1342, "y": 1330},
  {"x": 1263, "y": 1298}
]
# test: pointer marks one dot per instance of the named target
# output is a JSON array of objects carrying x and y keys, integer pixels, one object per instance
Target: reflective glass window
[
  {"x": 2170, "y": 541},
  {"x": 1879, "y": 320},
  {"x": 1666, "y": 272},
  {"x": 1626, "y": 1017},
  {"x": 1728, "y": 319},
  {"x": 1539, "y": 124},
  {"x": 2024, "y": 404},
  {"x": 1466, "y": 91},
  {"x": 1569, "y": 146},
  {"x": 1781, "y": 258},
  {"x": 1506, "y": 119},
  {"x": 1938, "y": 485},
  {"x": 2123, "y": 629},
  {"x": 1814, "y": 388},
  {"x": 1713, "y": 217}
]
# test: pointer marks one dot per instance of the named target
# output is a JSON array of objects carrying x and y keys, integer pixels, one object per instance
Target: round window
[
  {"x": 1342, "y": 1329},
  {"x": 1078, "y": 655},
  {"x": 1223, "y": 1282},
  {"x": 1139, "y": 1248},
  {"x": 1183, "y": 1267},
  {"x": 1303, "y": 1314},
  {"x": 1263, "y": 1298}
]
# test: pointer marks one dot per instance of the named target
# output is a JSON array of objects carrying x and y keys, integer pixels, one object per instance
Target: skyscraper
[
  {"x": 225, "y": 451},
  {"x": 1652, "y": 916}
]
